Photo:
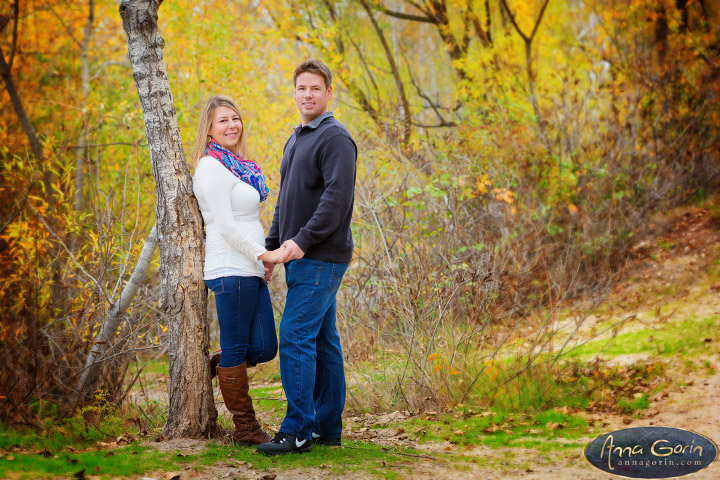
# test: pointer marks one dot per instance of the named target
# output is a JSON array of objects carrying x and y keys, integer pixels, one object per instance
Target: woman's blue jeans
[
  {"x": 245, "y": 317},
  {"x": 311, "y": 359}
]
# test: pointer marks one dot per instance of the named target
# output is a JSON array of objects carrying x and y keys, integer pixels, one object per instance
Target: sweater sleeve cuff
[
  {"x": 271, "y": 244},
  {"x": 259, "y": 250},
  {"x": 302, "y": 241}
]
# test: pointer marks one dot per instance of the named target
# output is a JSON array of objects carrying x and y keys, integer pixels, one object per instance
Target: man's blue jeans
[
  {"x": 311, "y": 359},
  {"x": 245, "y": 317}
]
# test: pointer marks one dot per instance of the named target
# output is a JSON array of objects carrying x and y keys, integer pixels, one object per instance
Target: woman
[{"x": 229, "y": 190}]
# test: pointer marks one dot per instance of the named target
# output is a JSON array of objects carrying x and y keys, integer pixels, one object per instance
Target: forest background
[{"x": 511, "y": 152}]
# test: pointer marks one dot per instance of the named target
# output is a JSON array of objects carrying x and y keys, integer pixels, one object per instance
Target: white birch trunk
[{"x": 183, "y": 300}]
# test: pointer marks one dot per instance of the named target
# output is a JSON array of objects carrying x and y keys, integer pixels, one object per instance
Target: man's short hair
[{"x": 314, "y": 66}]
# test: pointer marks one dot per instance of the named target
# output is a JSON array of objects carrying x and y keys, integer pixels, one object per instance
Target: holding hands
[{"x": 287, "y": 251}]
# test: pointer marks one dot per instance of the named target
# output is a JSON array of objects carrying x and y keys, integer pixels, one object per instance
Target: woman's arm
[{"x": 217, "y": 184}]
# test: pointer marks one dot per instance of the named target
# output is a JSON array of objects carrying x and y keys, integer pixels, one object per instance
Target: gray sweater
[{"x": 317, "y": 191}]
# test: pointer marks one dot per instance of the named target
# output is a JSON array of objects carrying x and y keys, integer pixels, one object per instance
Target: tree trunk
[{"x": 183, "y": 300}]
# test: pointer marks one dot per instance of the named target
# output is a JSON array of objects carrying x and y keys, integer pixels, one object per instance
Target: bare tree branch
[
  {"x": 407, "y": 117},
  {"x": 20, "y": 110},
  {"x": 87, "y": 382},
  {"x": 405, "y": 16}
]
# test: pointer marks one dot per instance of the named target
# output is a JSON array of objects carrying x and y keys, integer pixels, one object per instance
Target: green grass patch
[
  {"x": 640, "y": 402},
  {"x": 90, "y": 425},
  {"x": 365, "y": 459},
  {"x": 550, "y": 429},
  {"x": 687, "y": 337},
  {"x": 353, "y": 457},
  {"x": 122, "y": 462},
  {"x": 268, "y": 400}
]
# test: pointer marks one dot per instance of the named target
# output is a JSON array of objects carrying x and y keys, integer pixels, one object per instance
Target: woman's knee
[{"x": 263, "y": 355}]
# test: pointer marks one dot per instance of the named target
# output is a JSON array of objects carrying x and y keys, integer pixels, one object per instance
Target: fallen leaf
[
  {"x": 269, "y": 476},
  {"x": 10, "y": 458},
  {"x": 492, "y": 429},
  {"x": 458, "y": 432},
  {"x": 172, "y": 476}
]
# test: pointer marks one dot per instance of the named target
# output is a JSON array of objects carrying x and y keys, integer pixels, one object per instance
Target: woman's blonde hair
[{"x": 205, "y": 122}]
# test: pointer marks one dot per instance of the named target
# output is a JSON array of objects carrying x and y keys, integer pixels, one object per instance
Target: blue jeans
[
  {"x": 311, "y": 359},
  {"x": 245, "y": 317}
]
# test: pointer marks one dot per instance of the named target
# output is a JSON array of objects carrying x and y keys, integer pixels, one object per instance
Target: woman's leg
[
  {"x": 235, "y": 305},
  {"x": 235, "y": 313},
  {"x": 263, "y": 344}
]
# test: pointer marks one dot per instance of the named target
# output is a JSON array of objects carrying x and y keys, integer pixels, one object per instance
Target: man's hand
[{"x": 291, "y": 251}]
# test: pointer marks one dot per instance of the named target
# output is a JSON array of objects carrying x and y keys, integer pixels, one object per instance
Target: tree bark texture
[{"x": 183, "y": 301}]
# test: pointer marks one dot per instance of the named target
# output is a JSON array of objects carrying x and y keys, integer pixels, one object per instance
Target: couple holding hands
[{"x": 310, "y": 234}]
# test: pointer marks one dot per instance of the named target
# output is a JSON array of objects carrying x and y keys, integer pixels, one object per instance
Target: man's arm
[
  {"x": 338, "y": 170},
  {"x": 272, "y": 241}
]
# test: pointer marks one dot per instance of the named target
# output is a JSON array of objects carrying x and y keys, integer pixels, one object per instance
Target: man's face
[{"x": 311, "y": 96}]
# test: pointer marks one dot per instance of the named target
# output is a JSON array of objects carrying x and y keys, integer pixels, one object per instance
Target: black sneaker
[
  {"x": 325, "y": 441},
  {"x": 285, "y": 443}
]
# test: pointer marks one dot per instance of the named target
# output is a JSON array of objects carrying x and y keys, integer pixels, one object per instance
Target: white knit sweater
[{"x": 234, "y": 237}]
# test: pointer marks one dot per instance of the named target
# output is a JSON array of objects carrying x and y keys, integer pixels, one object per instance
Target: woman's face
[{"x": 226, "y": 127}]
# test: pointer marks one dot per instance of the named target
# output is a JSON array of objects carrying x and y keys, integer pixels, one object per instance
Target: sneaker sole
[
  {"x": 328, "y": 443},
  {"x": 299, "y": 450}
]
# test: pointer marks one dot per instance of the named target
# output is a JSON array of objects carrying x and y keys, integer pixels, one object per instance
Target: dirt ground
[{"x": 689, "y": 246}]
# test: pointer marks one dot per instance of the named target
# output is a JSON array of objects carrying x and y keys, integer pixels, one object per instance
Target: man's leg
[
  {"x": 329, "y": 391},
  {"x": 307, "y": 301}
]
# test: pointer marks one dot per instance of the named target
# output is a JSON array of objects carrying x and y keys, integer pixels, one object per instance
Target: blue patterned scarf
[{"x": 246, "y": 170}]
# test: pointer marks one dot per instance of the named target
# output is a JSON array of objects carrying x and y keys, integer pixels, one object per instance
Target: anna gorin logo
[{"x": 651, "y": 452}]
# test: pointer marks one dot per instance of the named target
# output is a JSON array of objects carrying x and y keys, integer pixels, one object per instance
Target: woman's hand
[
  {"x": 269, "y": 267},
  {"x": 272, "y": 256}
]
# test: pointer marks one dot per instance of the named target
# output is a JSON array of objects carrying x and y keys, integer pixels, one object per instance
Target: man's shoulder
[{"x": 332, "y": 127}]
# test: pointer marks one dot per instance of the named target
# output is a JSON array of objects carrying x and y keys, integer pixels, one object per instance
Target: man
[{"x": 312, "y": 223}]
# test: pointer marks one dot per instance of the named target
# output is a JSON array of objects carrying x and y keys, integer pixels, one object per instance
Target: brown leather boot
[
  {"x": 234, "y": 387},
  {"x": 214, "y": 361}
]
